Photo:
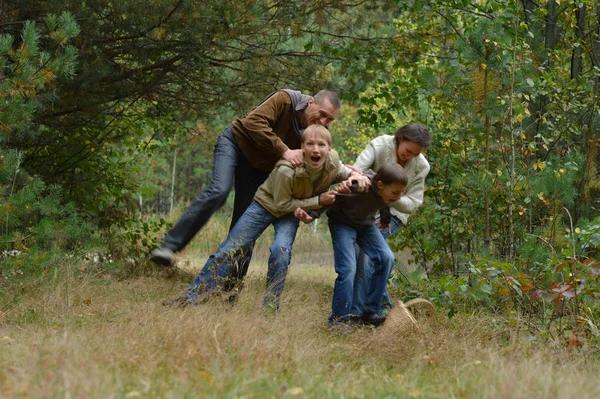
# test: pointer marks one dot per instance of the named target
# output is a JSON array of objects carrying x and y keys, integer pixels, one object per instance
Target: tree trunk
[
  {"x": 173, "y": 184},
  {"x": 550, "y": 37},
  {"x": 590, "y": 181},
  {"x": 576, "y": 57}
]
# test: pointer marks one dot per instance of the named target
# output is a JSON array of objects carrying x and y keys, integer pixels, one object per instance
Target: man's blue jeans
[
  {"x": 364, "y": 270},
  {"x": 232, "y": 251},
  {"x": 370, "y": 240},
  {"x": 229, "y": 164}
]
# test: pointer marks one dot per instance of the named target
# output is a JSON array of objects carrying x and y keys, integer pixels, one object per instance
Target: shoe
[
  {"x": 373, "y": 319},
  {"x": 341, "y": 328},
  {"x": 355, "y": 320},
  {"x": 163, "y": 257},
  {"x": 180, "y": 302}
]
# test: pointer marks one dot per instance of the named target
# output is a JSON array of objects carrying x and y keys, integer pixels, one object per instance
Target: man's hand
[
  {"x": 302, "y": 215},
  {"x": 294, "y": 157},
  {"x": 327, "y": 198}
]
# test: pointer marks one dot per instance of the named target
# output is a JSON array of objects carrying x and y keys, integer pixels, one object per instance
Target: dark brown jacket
[{"x": 270, "y": 129}]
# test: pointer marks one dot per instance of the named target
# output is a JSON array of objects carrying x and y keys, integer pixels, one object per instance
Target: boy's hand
[
  {"x": 302, "y": 215},
  {"x": 327, "y": 198},
  {"x": 363, "y": 181},
  {"x": 383, "y": 227},
  {"x": 345, "y": 187},
  {"x": 294, "y": 157}
]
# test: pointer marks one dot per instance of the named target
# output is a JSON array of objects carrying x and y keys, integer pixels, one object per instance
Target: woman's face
[{"x": 407, "y": 150}]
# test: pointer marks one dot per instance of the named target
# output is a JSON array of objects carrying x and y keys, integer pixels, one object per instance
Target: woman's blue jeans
[
  {"x": 370, "y": 240},
  {"x": 364, "y": 271},
  {"x": 230, "y": 165},
  {"x": 234, "y": 249}
]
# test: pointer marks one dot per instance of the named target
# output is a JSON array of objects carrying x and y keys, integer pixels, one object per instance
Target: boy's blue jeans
[
  {"x": 232, "y": 251},
  {"x": 230, "y": 165},
  {"x": 370, "y": 240},
  {"x": 364, "y": 270}
]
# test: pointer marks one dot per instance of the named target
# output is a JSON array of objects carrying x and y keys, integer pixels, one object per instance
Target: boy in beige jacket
[{"x": 288, "y": 187}]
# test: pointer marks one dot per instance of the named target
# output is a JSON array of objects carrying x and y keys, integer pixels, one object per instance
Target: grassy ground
[{"x": 81, "y": 331}]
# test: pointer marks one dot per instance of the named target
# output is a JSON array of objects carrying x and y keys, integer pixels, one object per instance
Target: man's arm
[{"x": 260, "y": 121}]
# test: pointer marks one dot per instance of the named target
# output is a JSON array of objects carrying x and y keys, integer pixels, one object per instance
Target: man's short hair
[{"x": 331, "y": 96}]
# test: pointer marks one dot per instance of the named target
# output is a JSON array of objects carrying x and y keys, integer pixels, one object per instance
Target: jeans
[
  {"x": 233, "y": 250},
  {"x": 370, "y": 240},
  {"x": 364, "y": 270},
  {"x": 229, "y": 163}
]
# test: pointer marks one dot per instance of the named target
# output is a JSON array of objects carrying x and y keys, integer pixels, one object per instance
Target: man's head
[
  {"x": 391, "y": 181},
  {"x": 316, "y": 144},
  {"x": 322, "y": 109}
]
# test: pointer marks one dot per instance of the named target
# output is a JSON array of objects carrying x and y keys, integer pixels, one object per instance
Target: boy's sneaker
[
  {"x": 163, "y": 257},
  {"x": 180, "y": 302},
  {"x": 341, "y": 328},
  {"x": 373, "y": 319}
]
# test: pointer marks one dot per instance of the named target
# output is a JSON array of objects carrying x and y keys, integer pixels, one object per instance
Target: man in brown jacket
[{"x": 245, "y": 153}]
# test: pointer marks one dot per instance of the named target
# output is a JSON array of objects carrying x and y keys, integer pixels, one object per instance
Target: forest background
[{"x": 109, "y": 112}]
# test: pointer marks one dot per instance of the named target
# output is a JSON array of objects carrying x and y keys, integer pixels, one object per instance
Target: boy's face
[
  {"x": 315, "y": 149},
  {"x": 390, "y": 192}
]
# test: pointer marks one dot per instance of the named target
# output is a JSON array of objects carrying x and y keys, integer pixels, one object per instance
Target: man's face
[
  {"x": 390, "y": 192},
  {"x": 315, "y": 149},
  {"x": 319, "y": 113},
  {"x": 407, "y": 150}
]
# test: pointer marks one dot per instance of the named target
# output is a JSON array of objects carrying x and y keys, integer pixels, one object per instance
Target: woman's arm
[{"x": 412, "y": 198}]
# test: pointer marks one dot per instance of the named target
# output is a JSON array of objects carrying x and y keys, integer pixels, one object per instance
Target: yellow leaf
[
  {"x": 577, "y": 230},
  {"x": 295, "y": 391},
  {"x": 545, "y": 147},
  {"x": 520, "y": 117},
  {"x": 483, "y": 66},
  {"x": 523, "y": 136},
  {"x": 527, "y": 112},
  {"x": 154, "y": 102},
  {"x": 498, "y": 173}
]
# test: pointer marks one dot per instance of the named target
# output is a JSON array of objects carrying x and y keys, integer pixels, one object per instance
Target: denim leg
[
  {"x": 247, "y": 181},
  {"x": 343, "y": 238},
  {"x": 226, "y": 159},
  {"x": 370, "y": 240},
  {"x": 279, "y": 260},
  {"x": 219, "y": 265},
  {"x": 364, "y": 271}
]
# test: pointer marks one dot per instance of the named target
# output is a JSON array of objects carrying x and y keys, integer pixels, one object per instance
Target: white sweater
[{"x": 382, "y": 150}]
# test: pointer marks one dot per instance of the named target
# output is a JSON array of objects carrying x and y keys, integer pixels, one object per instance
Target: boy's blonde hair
[{"x": 319, "y": 131}]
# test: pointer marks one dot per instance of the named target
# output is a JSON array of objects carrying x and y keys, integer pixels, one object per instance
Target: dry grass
[{"x": 87, "y": 334}]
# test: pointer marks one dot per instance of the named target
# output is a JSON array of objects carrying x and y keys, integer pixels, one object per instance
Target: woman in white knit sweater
[{"x": 404, "y": 148}]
